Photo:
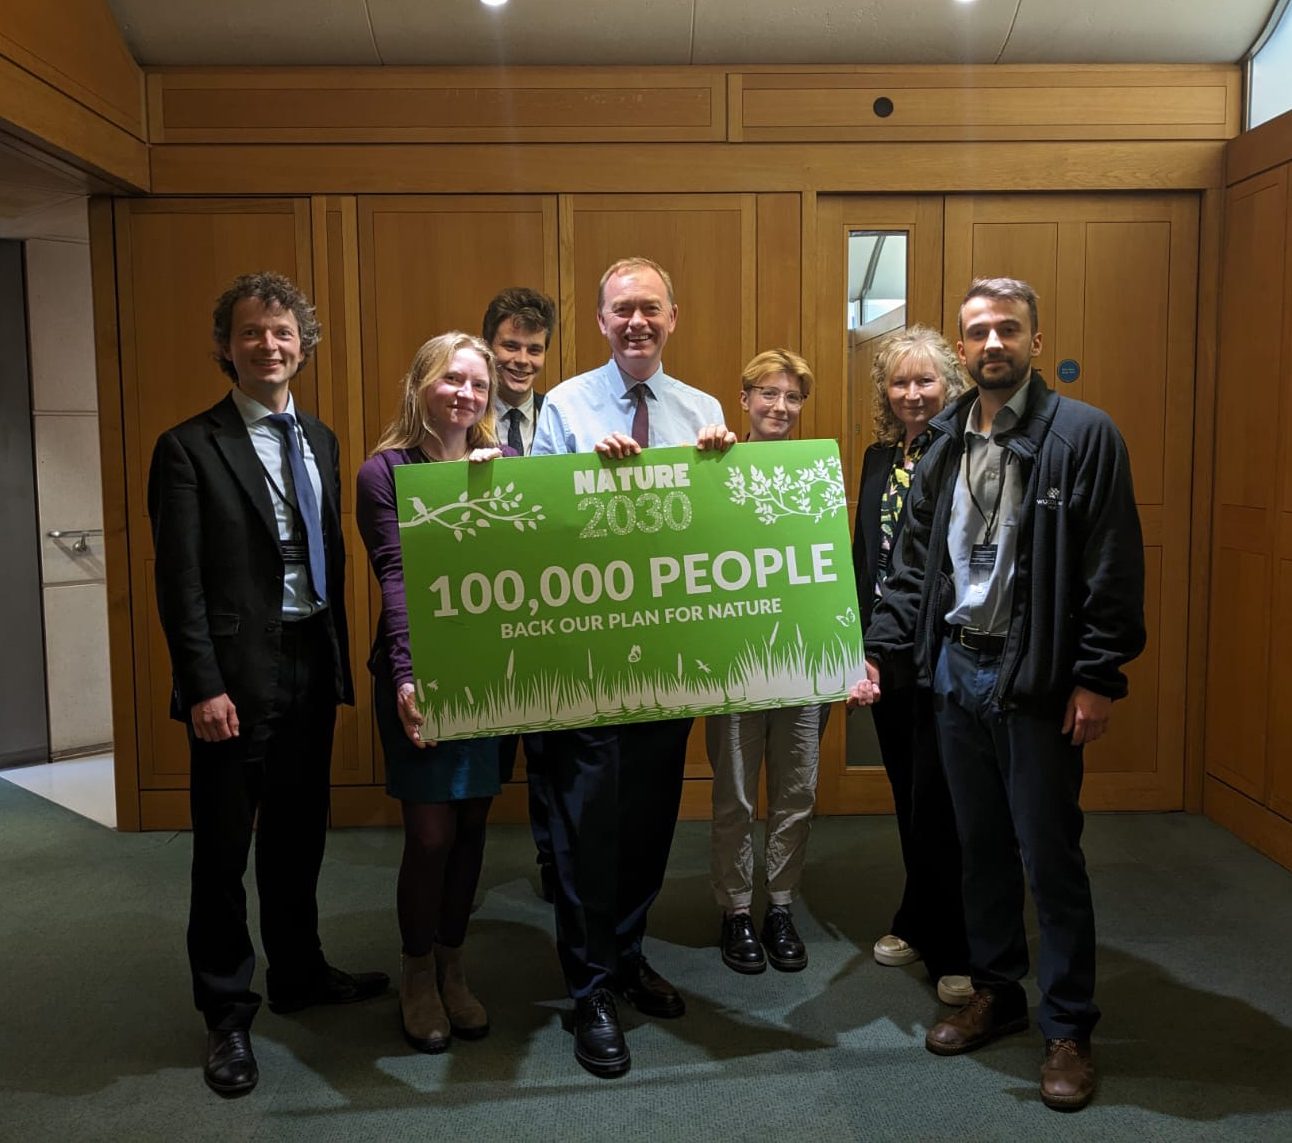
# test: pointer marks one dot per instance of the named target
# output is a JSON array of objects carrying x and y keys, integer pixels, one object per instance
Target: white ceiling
[{"x": 671, "y": 32}]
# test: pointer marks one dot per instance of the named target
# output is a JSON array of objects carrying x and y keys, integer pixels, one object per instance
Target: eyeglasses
[{"x": 771, "y": 396}]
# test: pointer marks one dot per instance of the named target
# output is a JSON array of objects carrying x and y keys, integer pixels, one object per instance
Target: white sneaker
[
  {"x": 892, "y": 950},
  {"x": 955, "y": 990}
]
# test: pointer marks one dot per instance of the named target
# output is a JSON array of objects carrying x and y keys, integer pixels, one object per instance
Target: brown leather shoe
[
  {"x": 985, "y": 1018},
  {"x": 1068, "y": 1075}
]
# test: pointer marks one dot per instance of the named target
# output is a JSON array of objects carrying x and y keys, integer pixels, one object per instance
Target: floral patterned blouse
[{"x": 891, "y": 503}]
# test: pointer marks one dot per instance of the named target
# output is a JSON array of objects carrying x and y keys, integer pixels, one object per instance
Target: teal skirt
[{"x": 449, "y": 772}]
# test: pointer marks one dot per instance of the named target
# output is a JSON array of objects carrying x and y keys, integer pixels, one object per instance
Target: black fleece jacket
[{"x": 1078, "y": 608}]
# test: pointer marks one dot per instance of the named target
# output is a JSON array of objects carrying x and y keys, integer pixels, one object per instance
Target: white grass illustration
[{"x": 760, "y": 675}]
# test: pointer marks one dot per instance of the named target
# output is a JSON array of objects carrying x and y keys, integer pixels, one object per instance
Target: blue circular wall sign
[{"x": 1069, "y": 369}]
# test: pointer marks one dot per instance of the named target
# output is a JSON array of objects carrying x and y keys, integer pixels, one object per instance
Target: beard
[{"x": 1015, "y": 375}]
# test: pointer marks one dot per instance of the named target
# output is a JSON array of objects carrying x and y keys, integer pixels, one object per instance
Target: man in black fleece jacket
[{"x": 1017, "y": 592}]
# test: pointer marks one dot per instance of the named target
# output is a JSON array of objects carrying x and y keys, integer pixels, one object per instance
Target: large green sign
[{"x": 548, "y": 592}]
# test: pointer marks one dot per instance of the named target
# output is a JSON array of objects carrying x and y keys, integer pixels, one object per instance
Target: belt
[{"x": 978, "y": 640}]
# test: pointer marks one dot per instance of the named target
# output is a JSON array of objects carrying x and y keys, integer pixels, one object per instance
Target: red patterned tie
[{"x": 641, "y": 416}]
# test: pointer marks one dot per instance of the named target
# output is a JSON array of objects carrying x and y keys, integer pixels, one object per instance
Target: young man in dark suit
[
  {"x": 518, "y": 325},
  {"x": 245, "y": 507}
]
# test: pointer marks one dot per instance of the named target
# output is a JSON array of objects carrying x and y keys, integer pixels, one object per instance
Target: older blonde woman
[
  {"x": 774, "y": 386},
  {"x": 444, "y": 790},
  {"x": 915, "y": 374}
]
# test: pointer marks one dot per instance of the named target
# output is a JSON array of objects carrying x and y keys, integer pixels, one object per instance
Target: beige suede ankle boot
[
  {"x": 426, "y": 1024},
  {"x": 467, "y": 1016}
]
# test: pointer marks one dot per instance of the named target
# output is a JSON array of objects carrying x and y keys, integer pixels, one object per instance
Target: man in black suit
[
  {"x": 245, "y": 507},
  {"x": 518, "y": 325}
]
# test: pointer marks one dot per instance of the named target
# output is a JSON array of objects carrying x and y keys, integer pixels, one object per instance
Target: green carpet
[{"x": 98, "y": 1039}]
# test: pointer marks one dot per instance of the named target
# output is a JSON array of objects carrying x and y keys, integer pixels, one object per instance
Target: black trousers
[
  {"x": 1016, "y": 784},
  {"x": 614, "y": 793},
  {"x": 272, "y": 780},
  {"x": 539, "y": 825},
  {"x": 931, "y": 913}
]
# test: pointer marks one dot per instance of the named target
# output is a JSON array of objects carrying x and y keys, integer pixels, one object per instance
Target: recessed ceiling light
[{"x": 493, "y": 3}]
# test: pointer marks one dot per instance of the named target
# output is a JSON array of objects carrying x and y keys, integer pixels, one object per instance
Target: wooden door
[
  {"x": 708, "y": 245},
  {"x": 1251, "y": 569},
  {"x": 432, "y": 263},
  {"x": 174, "y": 258},
  {"x": 429, "y": 264},
  {"x": 1117, "y": 278},
  {"x": 852, "y": 778}
]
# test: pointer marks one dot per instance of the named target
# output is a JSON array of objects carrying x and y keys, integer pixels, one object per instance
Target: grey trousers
[{"x": 788, "y": 740}]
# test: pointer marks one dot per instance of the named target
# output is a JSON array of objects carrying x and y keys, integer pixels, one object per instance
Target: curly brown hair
[{"x": 269, "y": 289}]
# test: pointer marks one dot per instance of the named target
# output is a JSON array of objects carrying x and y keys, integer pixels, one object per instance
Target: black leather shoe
[
  {"x": 649, "y": 992},
  {"x": 332, "y": 987},
  {"x": 230, "y": 1064},
  {"x": 740, "y": 948},
  {"x": 598, "y": 1040},
  {"x": 785, "y": 949}
]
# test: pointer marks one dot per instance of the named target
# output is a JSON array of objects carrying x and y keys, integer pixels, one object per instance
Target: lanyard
[{"x": 989, "y": 522}]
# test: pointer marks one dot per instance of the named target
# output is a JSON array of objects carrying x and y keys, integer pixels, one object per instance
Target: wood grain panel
[
  {"x": 441, "y": 105},
  {"x": 1259, "y": 827},
  {"x": 1117, "y": 277},
  {"x": 1211, "y": 226},
  {"x": 41, "y": 114},
  {"x": 779, "y": 265},
  {"x": 1125, "y": 307},
  {"x": 706, "y": 243},
  {"x": 428, "y": 265},
  {"x": 77, "y": 48},
  {"x": 554, "y": 168},
  {"x": 1278, "y": 793},
  {"x": 174, "y": 258},
  {"x": 1260, "y": 149},
  {"x": 784, "y": 109},
  {"x": 335, "y": 255},
  {"x": 116, "y": 535},
  {"x": 1252, "y": 306},
  {"x": 1238, "y": 678}
]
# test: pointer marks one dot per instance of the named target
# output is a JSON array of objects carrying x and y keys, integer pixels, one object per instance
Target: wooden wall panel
[
  {"x": 1240, "y": 657},
  {"x": 81, "y": 53},
  {"x": 174, "y": 258},
  {"x": 986, "y": 103},
  {"x": 1117, "y": 278},
  {"x": 40, "y": 114},
  {"x": 434, "y": 105},
  {"x": 609, "y": 168},
  {"x": 338, "y": 365},
  {"x": 707, "y": 244},
  {"x": 429, "y": 264}
]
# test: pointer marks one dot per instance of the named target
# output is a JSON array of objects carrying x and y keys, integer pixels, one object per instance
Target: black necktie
[
  {"x": 641, "y": 416},
  {"x": 513, "y": 432},
  {"x": 307, "y": 507}
]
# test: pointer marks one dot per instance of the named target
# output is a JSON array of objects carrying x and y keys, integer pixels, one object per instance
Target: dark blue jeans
[{"x": 1015, "y": 782}]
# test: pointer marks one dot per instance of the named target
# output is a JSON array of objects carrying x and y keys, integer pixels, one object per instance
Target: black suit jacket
[
  {"x": 219, "y": 572},
  {"x": 876, "y": 464}
]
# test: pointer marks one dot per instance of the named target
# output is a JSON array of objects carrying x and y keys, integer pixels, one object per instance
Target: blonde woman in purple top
[{"x": 444, "y": 789}]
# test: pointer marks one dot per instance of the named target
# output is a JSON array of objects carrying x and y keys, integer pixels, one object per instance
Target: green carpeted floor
[{"x": 98, "y": 1039}]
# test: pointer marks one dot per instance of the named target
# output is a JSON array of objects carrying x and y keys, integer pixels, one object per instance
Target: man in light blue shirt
[{"x": 614, "y": 791}]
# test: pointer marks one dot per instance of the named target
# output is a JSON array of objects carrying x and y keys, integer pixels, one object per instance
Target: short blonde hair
[
  {"x": 916, "y": 341},
  {"x": 635, "y": 263},
  {"x": 777, "y": 361},
  {"x": 431, "y": 361}
]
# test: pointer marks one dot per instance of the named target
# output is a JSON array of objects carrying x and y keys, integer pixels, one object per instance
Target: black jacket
[
  {"x": 1078, "y": 607},
  {"x": 219, "y": 571}
]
